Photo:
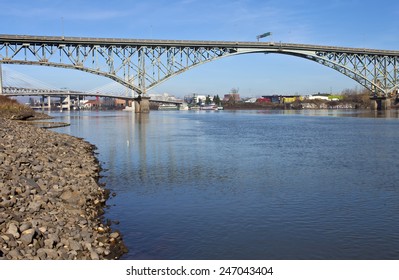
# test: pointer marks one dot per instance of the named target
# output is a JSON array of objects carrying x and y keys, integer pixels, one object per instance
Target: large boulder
[{"x": 22, "y": 116}]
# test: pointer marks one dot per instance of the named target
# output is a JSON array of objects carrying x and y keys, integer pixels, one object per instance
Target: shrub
[{"x": 9, "y": 107}]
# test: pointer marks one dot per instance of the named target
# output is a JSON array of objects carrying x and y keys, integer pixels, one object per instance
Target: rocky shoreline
[{"x": 51, "y": 203}]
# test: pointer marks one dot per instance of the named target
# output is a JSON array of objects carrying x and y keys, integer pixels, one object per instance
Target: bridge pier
[
  {"x": 142, "y": 104},
  {"x": 380, "y": 103},
  {"x": 68, "y": 98},
  {"x": 43, "y": 105},
  {"x": 68, "y": 102},
  {"x": 48, "y": 102}
]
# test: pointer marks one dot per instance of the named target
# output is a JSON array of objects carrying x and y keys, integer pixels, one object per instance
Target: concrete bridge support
[
  {"x": 44, "y": 103},
  {"x": 142, "y": 104},
  {"x": 68, "y": 99},
  {"x": 380, "y": 103},
  {"x": 68, "y": 104}
]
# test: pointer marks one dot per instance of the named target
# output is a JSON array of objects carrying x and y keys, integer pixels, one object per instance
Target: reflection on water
[
  {"x": 250, "y": 184},
  {"x": 389, "y": 114}
]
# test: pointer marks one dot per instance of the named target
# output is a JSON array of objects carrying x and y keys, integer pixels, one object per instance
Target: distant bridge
[
  {"x": 143, "y": 64},
  {"x": 17, "y": 91}
]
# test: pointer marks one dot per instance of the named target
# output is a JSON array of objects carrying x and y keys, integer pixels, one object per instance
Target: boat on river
[
  {"x": 209, "y": 107},
  {"x": 167, "y": 107},
  {"x": 195, "y": 108}
]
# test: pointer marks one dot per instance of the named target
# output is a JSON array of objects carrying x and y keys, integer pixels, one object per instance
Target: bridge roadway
[
  {"x": 27, "y": 39},
  {"x": 190, "y": 43}
]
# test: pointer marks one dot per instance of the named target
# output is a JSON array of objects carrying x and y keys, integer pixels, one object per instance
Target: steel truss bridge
[
  {"x": 143, "y": 64},
  {"x": 20, "y": 91}
]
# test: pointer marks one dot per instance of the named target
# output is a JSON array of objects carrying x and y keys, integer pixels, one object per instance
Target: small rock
[
  {"x": 83, "y": 222},
  {"x": 6, "y": 203},
  {"x": 38, "y": 168},
  {"x": 94, "y": 255},
  {"x": 25, "y": 226},
  {"x": 14, "y": 254},
  {"x": 49, "y": 243},
  {"x": 34, "y": 207},
  {"x": 114, "y": 235},
  {"x": 13, "y": 230},
  {"x": 102, "y": 239},
  {"x": 54, "y": 236},
  {"x": 41, "y": 254},
  {"x": 30, "y": 182},
  {"x": 100, "y": 251},
  {"x": 5, "y": 238},
  {"x": 74, "y": 245},
  {"x": 27, "y": 236},
  {"x": 51, "y": 254},
  {"x": 100, "y": 229},
  {"x": 42, "y": 229},
  {"x": 87, "y": 245},
  {"x": 73, "y": 197}
]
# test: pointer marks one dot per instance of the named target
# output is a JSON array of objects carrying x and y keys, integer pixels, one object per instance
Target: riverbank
[
  {"x": 299, "y": 105},
  {"x": 51, "y": 203}
]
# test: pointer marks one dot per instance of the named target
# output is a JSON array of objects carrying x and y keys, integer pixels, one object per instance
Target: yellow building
[{"x": 292, "y": 99}]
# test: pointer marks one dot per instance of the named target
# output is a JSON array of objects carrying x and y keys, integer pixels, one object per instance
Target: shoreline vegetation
[
  {"x": 349, "y": 99},
  {"x": 51, "y": 203}
]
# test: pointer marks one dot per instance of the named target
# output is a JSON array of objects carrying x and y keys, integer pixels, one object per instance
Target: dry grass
[{"x": 9, "y": 107}]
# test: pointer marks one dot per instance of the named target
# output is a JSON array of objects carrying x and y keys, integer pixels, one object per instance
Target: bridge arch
[
  {"x": 74, "y": 67},
  {"x": 348, "y": 66}
]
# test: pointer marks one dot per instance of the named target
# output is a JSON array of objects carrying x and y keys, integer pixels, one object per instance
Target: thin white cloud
[
  {"x": 98, "y": 15},
  {"x": 188, "y": 2},
  {"x": 51, "y": 12}
]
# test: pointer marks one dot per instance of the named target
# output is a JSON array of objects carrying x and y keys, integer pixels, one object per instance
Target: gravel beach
[{"x": 51, "y": 204}]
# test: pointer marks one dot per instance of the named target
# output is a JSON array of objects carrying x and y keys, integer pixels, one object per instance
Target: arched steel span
[{"x": 143, "y": 64}]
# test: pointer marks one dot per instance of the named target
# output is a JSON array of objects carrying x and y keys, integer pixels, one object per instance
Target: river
[{"x": 249, "y": 184}]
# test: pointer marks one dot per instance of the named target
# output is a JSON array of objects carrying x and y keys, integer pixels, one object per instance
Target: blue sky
[{"x": 351, "y": 23}]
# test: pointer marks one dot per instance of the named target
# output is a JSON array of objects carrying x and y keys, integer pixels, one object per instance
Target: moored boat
[
  {"x": 209, "y": 107},
  {"x": 167, "y": 107}
]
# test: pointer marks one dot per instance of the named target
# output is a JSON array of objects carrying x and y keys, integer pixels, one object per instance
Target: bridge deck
[{"x": 188, "y": 43}]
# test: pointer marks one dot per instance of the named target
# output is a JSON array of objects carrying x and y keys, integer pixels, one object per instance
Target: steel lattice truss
[
  {"x": 135, "y": 66},
  {"x": 377, "y": 73},
  {"x": 143, "y": 64},
  {"x": 375, "y": 70}
]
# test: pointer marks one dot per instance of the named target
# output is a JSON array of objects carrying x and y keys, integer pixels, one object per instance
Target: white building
[
  {"x": 251, "y": 100},
  {"x": 163, "y": 97},
  {"x": 316, "y": 97}
]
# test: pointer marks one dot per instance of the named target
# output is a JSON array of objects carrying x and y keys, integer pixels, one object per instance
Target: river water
[{"x": 249, "y": 184}]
